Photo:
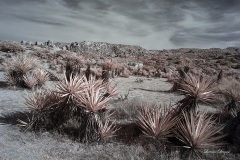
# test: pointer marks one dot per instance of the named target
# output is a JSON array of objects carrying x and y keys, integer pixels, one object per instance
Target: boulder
[
  {"x": 167, "y": 70},
  {"x": 23, "y": 42},
  {"x": 29, "y": 43},
  {"x": 50, "y": 43},
  {"x": 37, "y": 43}
]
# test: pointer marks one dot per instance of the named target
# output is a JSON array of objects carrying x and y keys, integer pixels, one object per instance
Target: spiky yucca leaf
[
  {"x": 199, "y": 88},
  {"x": 92, "y": 82},
  {"x": 25, "y": 123},
  {"x": 106, "y": 129},
  {"x": 71, "y": 88},
  {"x": 41, "y": 99},
  {"x": 198, "y": 131},
  {"x": 156, "y": 121},
  {"x": 30, "y": 80},
  {"x": 93, "y": 98}
]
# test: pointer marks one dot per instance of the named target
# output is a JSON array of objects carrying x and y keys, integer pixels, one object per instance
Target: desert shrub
[
  {"x": 42, "y": 53},
  {"x": 11, "y": 47}
]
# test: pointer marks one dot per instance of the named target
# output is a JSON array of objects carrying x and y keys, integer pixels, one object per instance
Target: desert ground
[{"x": 131, "y": 88}]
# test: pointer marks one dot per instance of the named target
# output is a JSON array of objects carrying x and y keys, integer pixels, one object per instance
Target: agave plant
[
  {"x": 199, "y": 131},
  {"x": 156, "y": 121}
]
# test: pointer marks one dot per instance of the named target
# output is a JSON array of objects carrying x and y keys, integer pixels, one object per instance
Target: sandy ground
[{"x": 28, "y": 146}]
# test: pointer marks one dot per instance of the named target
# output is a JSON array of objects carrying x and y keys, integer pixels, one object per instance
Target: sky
[{"x": 152, "y": 24}]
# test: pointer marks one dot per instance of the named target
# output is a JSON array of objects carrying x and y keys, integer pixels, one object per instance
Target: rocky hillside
[{"x": 120, "y": 50}]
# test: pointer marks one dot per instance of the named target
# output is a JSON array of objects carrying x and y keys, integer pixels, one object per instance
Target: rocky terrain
[{"x": 139, "y": 75}]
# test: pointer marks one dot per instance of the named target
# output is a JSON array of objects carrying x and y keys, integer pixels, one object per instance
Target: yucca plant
[
  {"x": 30, "y": 80},
  {"x": 70, "y": 88},
  {"x": 177, "y": 79},
  {"x": 18, "y": 67},
  {"x": 106, "y": 129},
  {"x": 40, "y": 99},
  {"x": 156, "y": 121},
  {"x": 24, "y": 63},
  {"x": 77, "y": 102},
  {"x": 10, "y": 78},
  {"x": 106, "y": 68},
  {"x": 196, "y": 89},
  {"x": 42, "y": 76},
  {"x": 199, "y": 131},
  {"x": 232, "y": 96},
  {"x": 41, "y": 104},
  {"x": 94, "y": 101}
]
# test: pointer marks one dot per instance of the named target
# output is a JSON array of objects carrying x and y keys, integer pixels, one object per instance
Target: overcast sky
[{"x": 152, "y": 24}]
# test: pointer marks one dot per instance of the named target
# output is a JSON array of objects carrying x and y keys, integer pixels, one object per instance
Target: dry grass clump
[
  {"x": 156, "y": 121},
  {"x": 11, "y": 47}
]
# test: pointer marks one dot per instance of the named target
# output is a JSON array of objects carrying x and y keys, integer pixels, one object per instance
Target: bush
[{"x": 11, "y": 47}]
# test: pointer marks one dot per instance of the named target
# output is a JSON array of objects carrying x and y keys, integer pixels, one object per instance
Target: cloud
[
  {"x": 39, "y": 20},
  {"x": 208, "y": 24},
  {"x": 153, "y": 24}
]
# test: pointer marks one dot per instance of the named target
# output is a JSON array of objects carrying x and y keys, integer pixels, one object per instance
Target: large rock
[
  {"x": 29, "y": 43},
  {"x": 50, "y": 43},
  {"x": 23, "y": 42},
  {"x": 39, "y": 43}
]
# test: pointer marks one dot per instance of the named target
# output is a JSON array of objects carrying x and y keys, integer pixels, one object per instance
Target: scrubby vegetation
[{"x": 79, "y": 104}]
